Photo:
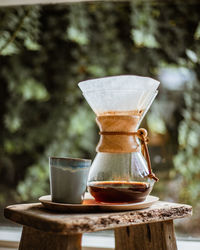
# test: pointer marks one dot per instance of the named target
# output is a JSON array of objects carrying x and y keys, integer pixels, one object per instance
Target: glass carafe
[{"x": 121, "y": 170}]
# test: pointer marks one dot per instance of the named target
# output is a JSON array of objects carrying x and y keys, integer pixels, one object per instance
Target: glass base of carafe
[
  {"x": 119, "y": 191},
  {"x": 119, "y": 178}
]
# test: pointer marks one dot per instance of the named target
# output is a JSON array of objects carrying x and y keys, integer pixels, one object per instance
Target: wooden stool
[{"x": 146, "y": 229}]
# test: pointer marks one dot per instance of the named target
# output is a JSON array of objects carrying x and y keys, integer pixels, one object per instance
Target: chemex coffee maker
[{"x": 121, "y": 170}]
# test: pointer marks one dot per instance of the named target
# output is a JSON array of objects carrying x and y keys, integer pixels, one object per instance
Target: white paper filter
[{"x": 119, "y": 93}]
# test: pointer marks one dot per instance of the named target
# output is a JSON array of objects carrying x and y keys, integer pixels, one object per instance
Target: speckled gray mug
[{"x": 68, "y": 179}]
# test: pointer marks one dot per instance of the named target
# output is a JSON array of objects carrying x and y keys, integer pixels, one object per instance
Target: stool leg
[
  {"x": 33, "y": 239},
  {"x": 152, "y": 236}
]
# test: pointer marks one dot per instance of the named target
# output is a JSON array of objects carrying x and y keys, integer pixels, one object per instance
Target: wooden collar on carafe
[{"x": 118, "y": 135}]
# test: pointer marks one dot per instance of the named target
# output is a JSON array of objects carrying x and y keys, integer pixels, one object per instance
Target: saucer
[{"x": 90, "y": 205}]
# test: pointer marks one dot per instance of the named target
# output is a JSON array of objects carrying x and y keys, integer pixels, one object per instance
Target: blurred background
[{"x": 46, "y": 50}]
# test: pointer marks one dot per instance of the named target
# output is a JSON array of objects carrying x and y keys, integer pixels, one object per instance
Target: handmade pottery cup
[{"x": 68, "y": 179}]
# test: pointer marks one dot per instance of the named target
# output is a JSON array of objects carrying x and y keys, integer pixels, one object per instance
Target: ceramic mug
[{"x": 68, "y": 179}]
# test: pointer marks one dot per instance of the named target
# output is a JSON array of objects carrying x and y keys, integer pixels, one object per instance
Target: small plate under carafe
[{"x": 90, "y": 205}]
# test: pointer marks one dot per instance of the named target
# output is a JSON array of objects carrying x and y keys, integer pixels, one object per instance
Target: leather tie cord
[{"x": 142, "y": 135}]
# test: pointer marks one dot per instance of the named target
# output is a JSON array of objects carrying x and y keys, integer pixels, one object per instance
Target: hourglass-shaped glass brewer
[{"x": 121, "y": 170}]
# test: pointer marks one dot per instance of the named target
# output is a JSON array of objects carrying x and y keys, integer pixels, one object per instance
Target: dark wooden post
[
  {"x": 33, "y": 239},
  {"x": 152, "y": 236}
]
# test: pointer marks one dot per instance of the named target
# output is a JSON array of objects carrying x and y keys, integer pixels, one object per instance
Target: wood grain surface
[{"x": 36, "y": 216}]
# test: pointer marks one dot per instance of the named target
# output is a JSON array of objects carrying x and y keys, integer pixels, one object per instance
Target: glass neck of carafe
[{"x": 146, "y": 109}]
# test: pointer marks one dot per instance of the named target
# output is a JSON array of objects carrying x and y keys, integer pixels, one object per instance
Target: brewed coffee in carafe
[{"x": 121, "y": 170}]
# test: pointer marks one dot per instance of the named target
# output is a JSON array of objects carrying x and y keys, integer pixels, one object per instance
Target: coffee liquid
[{"x": 119, "y": 191}]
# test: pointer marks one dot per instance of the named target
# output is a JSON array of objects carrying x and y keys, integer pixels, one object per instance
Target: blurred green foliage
[{"x": 45, "y": 51}]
